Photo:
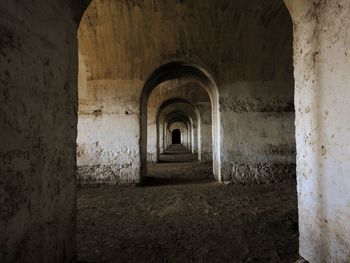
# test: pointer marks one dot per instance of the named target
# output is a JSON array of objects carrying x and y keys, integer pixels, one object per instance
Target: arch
[
  {"x": 181, "y": 117},
  {"x": 195, "y": 133},
  {"x": 178, "y": 69},
  {"x": 186, "y": 108},
  {"x": 177, "y": 100},
  {"x": 175, "y": 70},
  {"x": 173, "y": 91},
  {"x": 184, "y": 129},
  {"x": 176, "y": 116}
]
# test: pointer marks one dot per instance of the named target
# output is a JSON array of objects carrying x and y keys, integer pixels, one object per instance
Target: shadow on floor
[
  {"x": 178, "y": 166},
  {"x": 156, "y": 181},
  {"x": 182, "y": 215},
  {"x": 188, "y": 223}
]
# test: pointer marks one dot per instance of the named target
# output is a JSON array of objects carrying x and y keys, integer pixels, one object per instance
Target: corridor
[{"x": 175, "y": 131}]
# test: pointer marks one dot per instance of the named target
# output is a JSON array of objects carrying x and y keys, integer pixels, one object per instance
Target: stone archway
[
  {"x": 175, "y": 70},
  {"x": 201, "y": 132}
]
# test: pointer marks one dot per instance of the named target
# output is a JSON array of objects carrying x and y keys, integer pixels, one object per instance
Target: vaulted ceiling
[{"x": 235, "y": 40}]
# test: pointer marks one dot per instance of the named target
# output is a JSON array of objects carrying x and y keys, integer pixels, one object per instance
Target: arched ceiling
[
  {"x": 234, "y": 40},
  {"x": 188, "y": 89},
  {"x": 173, "y": 91},
  {"x": 178, "y": 125},
  {"x": 177, "y": 109},
  {"x": 178, "y": 104},
  {"x": 177, "y": 116}
]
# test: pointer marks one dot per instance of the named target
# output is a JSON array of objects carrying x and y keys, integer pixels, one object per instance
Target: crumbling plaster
[
  {"x": 322, "y": 95},
  {"x": 108, "y": 141},
  {"x": 38, "y": 108}
]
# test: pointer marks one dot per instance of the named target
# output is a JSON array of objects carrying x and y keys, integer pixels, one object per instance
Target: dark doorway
[{"x": 176, "y": 136}]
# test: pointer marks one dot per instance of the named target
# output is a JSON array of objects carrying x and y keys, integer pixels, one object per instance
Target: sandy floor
[{"x": 182, "y": 216}]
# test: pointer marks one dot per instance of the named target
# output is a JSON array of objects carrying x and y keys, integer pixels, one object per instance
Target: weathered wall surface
[
  {"x": 322, "y": 97},
  {"x": 245, "y": 45},
  {"x": 206, "y": 134},
  {"x": 38, "y": 105},
  {"x": 256, "y": 100},
  {"x": 258, "y": 119},
  {"x": 108, "y": 132}
]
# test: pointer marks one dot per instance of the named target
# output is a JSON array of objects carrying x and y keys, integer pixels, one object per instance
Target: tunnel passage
[
  {"x": 181, "y": 132},
  {"x": 179, "y": 72},
  {"x": 178, "y": 162},
  {"x": 250, "y": 120},
  {"x": 185, "y": 102},
  {"x": 179, "y": 124},
  {"x": 39, "y": 155},
  {"x": 176, "y": 136},
  {"x": 244, "y": 87}
]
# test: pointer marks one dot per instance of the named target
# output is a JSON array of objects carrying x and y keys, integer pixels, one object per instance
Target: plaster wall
[
  {"x": 152, "y": 150},
  {"x": 108, "y": 132},
  {"x": 38, "y": 106},
  {"x": 258, "y": 126},
  {"x": 322, "y": 97},
  {"x": 205, "y": 142}
]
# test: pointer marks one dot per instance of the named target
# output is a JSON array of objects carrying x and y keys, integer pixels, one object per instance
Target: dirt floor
[{"x": 181, "y": 215}]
